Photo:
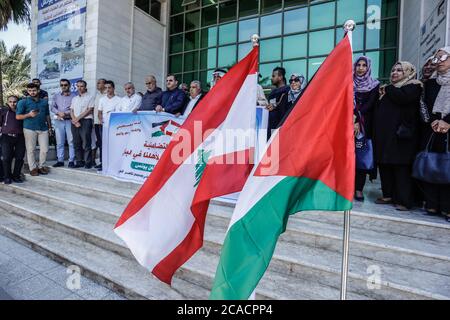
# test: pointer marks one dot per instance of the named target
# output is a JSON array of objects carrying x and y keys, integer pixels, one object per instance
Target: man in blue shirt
[
  {"x": 173, "y": 100},
  {"x": 35, "y": 114},
  {"x": 60, "y": 107}
]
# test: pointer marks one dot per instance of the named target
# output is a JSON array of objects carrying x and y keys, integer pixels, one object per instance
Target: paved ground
[{"x": 27, "y": 275}]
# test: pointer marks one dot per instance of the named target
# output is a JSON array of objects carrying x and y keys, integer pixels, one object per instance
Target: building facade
[{"x": 129, "y": 39}]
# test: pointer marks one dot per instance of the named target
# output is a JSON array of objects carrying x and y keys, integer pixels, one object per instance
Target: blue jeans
[{"x": 63, "y": 128}]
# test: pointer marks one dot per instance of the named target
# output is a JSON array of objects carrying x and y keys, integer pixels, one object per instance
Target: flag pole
[
  {"x": 345, "y": 254},
  {"x": 349, "y": 26}
]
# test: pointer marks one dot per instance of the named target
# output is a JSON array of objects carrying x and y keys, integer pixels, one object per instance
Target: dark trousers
[
  {"x": 13, "y": 147},
  {"x": 98, "y": 134},
  {"x": 437, "y": 197},
  {"x": 82, "y": 141},
  {"x": 360, "y": 180},
  {"x": 397, "y": 183},
  {"x": 2, "y": 172}
]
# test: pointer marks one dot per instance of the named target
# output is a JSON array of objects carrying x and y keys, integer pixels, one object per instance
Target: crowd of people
[{"x": 393, "y": 123}]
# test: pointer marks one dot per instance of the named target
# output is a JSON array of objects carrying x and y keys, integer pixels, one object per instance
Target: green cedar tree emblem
[{"x": 203, "y": 158}]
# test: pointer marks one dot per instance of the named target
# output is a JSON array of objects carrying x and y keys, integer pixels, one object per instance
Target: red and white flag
[{"x": 210, "y": 156}]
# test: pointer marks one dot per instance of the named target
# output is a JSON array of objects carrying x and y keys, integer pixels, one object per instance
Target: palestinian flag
[
  {"x": 163, "y": 224},
  {"x": 166, "y": 128},
  {"x": 309, "y": 165}
]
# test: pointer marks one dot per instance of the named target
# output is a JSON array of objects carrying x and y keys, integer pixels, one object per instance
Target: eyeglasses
[
  {"x": 64, "y": 85},
  {"x": 443, "y": 58},
  {"x": 294, "y": 80}
]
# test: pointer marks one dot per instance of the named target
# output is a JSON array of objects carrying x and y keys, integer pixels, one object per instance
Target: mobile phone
[{"x": 36, "y": 110}]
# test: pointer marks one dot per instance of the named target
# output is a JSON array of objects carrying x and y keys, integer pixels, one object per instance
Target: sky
[{"x": 16, "y": 34}]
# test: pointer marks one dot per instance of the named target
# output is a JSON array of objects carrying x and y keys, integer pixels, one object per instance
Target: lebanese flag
[
  {"x": 163, "y": 224},
  {"x": 309, "y": 165}
]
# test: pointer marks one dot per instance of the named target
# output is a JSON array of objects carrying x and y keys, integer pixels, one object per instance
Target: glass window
[
  {"x": 175, "y": 63},
  {"x": 296, "y": 66},
  {"x": 248, "y": 7},
  {"x": 358, "y": 37},
  {"x": 244, "y": 49},
  {"x": 350, "y": 9},
  {"x": 321, "y": 42},
  {"x": 176, "y": 43},
  {"x": 227, "y": 33},
  {"x": 291, "y": 3},
  {"x": 389, "y": 33},
  {"x": 270, "y": 50},
  {"x": 192, "y": 20},
  {"x": 155, "y": 9},
  {"x": 227, "y": 11},
  {"x": 382, "y": 62},
  {"x": 208, "y": 58},
  {"x": 270, "y": 5},
  {"x": 247, "y": 28},
  {"x": 271, "y": 25},
  {"x": 189, "y": 77},
  {"x": 176, "y": 7},
  {"x": 192, "y": 40},
  {"x": 203, "y": 78},
  {"x": 176, "y": 24},
  {"x": 209, "y": 37},
  {"x": 296, "y": 20},
  {"x": 379, "y": 9},
  {"x": 265, "y": 70},
  {"x": 322, "y": 15},
  {"x": 227, "y": 56},
  {"x": 384, "y": 37},
  {"x": 191, "y": 61},
  {"x": 207, "y": 2},
  {"x": 314, "y": 65},
  {"x": 144, "y": 5},
  {"x": 209, "y": 16},
  {"x": 295, "y": 46}
]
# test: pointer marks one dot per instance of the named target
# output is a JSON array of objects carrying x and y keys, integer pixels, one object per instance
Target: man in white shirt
[
  {"x": 81, "y": 111},
  {"x": 109, "y": 103},
  {"x": 132, "y": 101},
  {"x": 97, "y": 132},
  {"x": 195, "y": 95}
]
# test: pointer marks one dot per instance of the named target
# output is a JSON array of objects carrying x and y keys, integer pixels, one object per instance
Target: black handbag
[{"x": 433, "y": 167}]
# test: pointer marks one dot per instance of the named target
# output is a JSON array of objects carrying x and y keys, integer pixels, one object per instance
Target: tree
[
  {"x": 17, "y": 11},
  {"x": 15, "y": 71}
]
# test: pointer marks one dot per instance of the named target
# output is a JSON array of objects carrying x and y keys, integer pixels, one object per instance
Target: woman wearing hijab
[
  {"x": 428, "y": 70},
  {"x": 290, "y": 99},
  {"x": 366, "y": 97},
  {"x": 295, "y": 89},
  {"x": 437, "y": 100},
  {"x": 396, "y": 135}
]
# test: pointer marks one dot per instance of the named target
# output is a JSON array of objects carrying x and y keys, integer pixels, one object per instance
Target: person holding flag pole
[{"x": 284, "y": 183}]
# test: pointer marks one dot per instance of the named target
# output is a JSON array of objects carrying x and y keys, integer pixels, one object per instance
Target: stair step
[
  {"x": 114, "y": 271},
  {"x": 289, "y": 259}
]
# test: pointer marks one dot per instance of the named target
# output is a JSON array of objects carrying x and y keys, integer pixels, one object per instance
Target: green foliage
[
  {"x": 15, "y": 70},
  {"x": 17, "y": 11}
]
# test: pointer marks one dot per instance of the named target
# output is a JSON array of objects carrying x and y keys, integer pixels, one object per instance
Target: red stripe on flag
[
  {"x": 317, "y": 139},
  {"x": 232, "y": 178},
  {"x": 211, "y": 112}
]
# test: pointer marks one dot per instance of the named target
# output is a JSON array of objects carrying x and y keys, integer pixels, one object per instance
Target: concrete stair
[{"x": 69, "y": 216}]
